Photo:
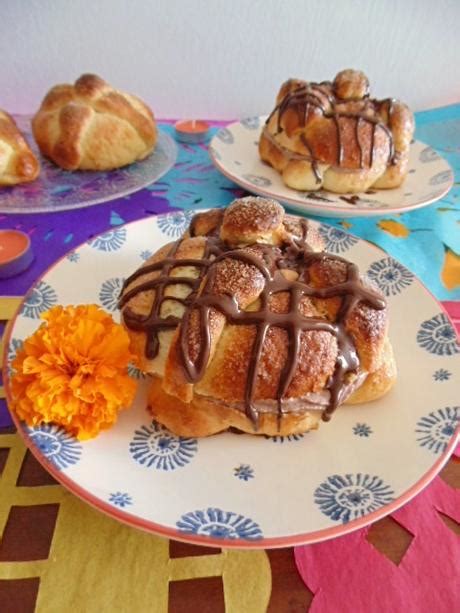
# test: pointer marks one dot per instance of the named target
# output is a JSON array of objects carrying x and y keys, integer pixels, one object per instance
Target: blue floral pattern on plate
[
  {"x": 289, "y": 438},
  {"x": 41, "y": 298},
  {"x": 120, "y": 499},
  {"x": 257, "y": 180},
  {"x": 244, "y": 472},
  {"x": 55, "y": 444},
  {"x": 336, "y": 240},
  {"x": 390, "y": 276},
  {"x": 146, "y": 254},
  {"x": 362, "y": 430},
  {"x": 347, "y": 497},
  {"x": 437, "y": 336},
  {"x": 135, "y": 372},
  {"x": 110, "y": 292},
  {"x": 175, "y": 224},
  {"x": 251, "y": 123},
  {"x": 219, "y": 524},
  {"x": 13, "y": 348},
  {"x": 109, "y": 241},
  {"x": 441, "y": 177},
  {"x": 435, "y": 430},
  {"x": 73, "y": 256},
  {"x": 155, "y": 446},
  {"x": 428, "y": 155},
  {"x": 442, "y": 374},
  {"x": 225, "y": 136}
]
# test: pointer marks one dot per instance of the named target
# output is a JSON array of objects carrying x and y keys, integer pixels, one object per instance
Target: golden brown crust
[
  {"x": 204, "y": 417},
  {"x": 142, "y": 302},
  {"x": 17, "y": 162},
  {"x": 217, "y": 399},
  {"x": 91, "y": 126},
  {"x": 251, "y": 220},
  {"x": 333, "y": 136},
  {"x": 205, "y": 224},
  {"x": 350, "y": 85},
  {"x": 379, "y": 382}
]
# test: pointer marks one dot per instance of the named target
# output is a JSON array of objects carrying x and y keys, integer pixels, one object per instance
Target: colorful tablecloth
[
  {"x": 427, "y": 240},
  {"x": 89, "y": 562}
]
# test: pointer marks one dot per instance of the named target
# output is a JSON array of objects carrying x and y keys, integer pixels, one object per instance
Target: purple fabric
[
  {"x": 54, "y": 234},
  {"x": 192, "y": 180}
]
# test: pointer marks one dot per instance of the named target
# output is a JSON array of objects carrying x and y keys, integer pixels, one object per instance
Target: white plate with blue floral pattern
[
  {"x": 249, "y": 491},
  {"x": 234, "y": 151},
  {"x": 59, "y": 190}
]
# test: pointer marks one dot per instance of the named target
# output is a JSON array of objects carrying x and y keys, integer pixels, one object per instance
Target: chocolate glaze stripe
[
  {"x": 305, "y": 95},
  {"x": 269, "y": 261},
  {"x": 314, "y": 163},
  {"x": 153, "y": 322},
  {"x": 361, "y": 152},
  {"x": 292, "y": 321}
]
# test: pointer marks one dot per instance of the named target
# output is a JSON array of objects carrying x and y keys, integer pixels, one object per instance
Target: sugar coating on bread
[
  {"x": 263, "y": 334},
  {"x": 18, "y": 164},
  {"x": 333, "y": 136},
  {"x": 92, "y": 126}
]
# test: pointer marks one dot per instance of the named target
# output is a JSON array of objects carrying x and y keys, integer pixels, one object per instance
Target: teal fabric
[{"x": 434, "y": 228}]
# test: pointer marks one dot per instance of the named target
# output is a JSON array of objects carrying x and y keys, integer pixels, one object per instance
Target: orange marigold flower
[{"x": 73, "y": 371}]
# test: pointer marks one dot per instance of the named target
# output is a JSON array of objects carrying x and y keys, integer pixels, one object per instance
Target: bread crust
[
  {"x": 333, "y": 136},
  {"x": 217, "y": 398},
  {"x": 18, "y": 164},
  {"x": 92, "y": 126}
]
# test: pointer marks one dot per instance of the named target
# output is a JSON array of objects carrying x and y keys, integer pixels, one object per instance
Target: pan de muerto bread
[
  {"x": 333, "y": 136},
  {"x": 245, "y": 323},
  {"x": 92, "y": 126}
]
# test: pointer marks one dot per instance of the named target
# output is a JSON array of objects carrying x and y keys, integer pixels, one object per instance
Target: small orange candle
[
  {"x": 15, "y": 253},
  {"x": 192, "y": 130}
]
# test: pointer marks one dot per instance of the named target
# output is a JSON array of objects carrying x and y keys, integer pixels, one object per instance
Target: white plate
[
  {"x": 60, "y": 190},
  {"x": 247, "y": 491},
  {"x": 234, "y": 151}
]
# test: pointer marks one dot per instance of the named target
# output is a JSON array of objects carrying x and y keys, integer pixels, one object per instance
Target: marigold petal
[{"x": 72, "y": 371}]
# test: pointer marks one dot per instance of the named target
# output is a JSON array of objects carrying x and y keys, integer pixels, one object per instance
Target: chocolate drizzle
[
  {"x": 270, "y": 262},
  {"x": 314, "y": 163},
  {"x": 308, "y": 97},
  {"x": 350, "y": 199}
]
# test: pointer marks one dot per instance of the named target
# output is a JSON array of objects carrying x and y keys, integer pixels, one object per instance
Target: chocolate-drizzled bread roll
[
  {"x": 246, "y": 323},
  {"x": 333, "y": 136}
]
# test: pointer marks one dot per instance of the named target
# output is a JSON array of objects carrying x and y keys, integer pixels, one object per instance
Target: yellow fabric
[
  {"x": 450, "y": 273},
  {"x": 395, "y": 228}
]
